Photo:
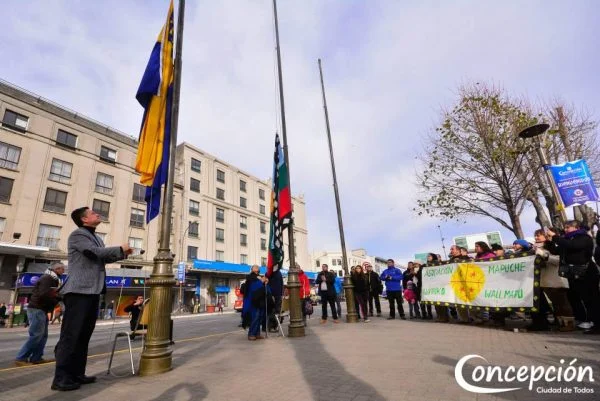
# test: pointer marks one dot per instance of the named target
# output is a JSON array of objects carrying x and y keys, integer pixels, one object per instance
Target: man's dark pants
[
  {"x": 81, "y": 311},
  {"x": 374, "y": 296},
  {"x": 395, "y": 296},
  {"x": 328, "y": 299}
]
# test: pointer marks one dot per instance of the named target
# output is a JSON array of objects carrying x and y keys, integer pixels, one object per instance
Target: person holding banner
[
  {"x": 554, "y": 286},
  {"x": 575, "y": 249}
]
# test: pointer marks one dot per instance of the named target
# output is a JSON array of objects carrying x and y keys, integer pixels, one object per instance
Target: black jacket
[
  {"x": 44, "y": 295},
  {"x": 329, "y": 279},
  {"x": 597, "y": 252},
  {"x": 374, "y": 282},
  {"x": 406, "y": 277},
  {"x": 576, "y": 250},
  {"x": 359, "y": 281},
  {"x": 135, "y": 311}
]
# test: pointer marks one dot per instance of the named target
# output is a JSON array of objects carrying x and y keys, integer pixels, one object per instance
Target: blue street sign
[
  {"x": 181, "y": 271},
  {"x": 574, "y": 182}
]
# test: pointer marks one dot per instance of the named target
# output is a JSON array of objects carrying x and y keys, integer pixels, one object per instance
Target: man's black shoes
[
  {"x": 65, "y": 387},
  {"x": 86, "y": 379}
]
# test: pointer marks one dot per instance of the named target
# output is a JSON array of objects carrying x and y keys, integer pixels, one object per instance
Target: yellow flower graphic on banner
[{"x": 467, "y": 281}]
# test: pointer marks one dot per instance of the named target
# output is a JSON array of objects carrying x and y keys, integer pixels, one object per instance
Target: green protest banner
[{"x": 501, "y": 283}]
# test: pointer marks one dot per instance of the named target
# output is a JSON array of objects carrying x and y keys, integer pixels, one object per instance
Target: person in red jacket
[{"x": 304, "y": 291}]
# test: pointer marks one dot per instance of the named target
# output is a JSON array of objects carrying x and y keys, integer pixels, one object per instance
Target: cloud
[{"x": 389, "y": 67}]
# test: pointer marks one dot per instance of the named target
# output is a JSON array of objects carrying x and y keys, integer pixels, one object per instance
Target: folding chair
[
  {"x": 142, "y": 322},
  {"x": 285, "y": 311}
]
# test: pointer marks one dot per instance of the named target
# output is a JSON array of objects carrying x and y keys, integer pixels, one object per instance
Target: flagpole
[
  {"x": 351, "y": 316},
  {"x": 157, "y": 354},
  {"x": 296, "y": 327}
]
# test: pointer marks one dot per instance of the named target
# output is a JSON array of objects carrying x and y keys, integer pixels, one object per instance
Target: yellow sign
[{"x": 467, "y": 281}]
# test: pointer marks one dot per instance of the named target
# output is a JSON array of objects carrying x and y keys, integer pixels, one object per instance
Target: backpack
[{"x": 308, "y": 307}]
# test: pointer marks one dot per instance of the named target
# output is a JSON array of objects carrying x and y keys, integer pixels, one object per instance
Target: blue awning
[
  {"x": 225, "y": 267},
  {"x": 222, "y": 288}
]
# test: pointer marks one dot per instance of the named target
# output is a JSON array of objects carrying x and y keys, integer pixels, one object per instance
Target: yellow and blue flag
[{"x": 155, "y": 94}]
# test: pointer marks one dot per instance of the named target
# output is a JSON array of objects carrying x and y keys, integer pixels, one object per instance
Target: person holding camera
[
  {"x": 392, "y": 277},
  {"x": 576, "y": 248}
]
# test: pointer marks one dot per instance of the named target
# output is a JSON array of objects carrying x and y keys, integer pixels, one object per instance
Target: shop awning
[{"x": 8, "y": 248}]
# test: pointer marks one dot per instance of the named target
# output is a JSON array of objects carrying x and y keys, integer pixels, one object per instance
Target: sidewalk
[{"x": 381, "y": 360}]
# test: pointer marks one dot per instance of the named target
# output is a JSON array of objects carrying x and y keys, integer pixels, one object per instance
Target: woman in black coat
[
  {"x": 361, "y": 291},
  {"x": 576, "y": 247}
]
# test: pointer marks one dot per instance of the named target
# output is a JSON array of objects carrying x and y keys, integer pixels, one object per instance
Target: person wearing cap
[
  {"x": 375, "y": 288},
  {"x": 522, "y": 245},
  {"x": 44, "y": 298}
]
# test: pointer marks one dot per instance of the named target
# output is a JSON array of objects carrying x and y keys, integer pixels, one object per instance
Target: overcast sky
[{"x": 389, "y": 66}]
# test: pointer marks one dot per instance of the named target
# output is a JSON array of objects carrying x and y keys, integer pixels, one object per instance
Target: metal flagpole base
[
  {"x": 296, "y": 327},
  {"x": 351, "y": 316},
  {"x": 157, "y": 354}
]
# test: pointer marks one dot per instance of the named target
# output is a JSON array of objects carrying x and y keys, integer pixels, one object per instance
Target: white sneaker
[
  {"x": 585, "y": 325},
  {"x": 367, "y": 320}
]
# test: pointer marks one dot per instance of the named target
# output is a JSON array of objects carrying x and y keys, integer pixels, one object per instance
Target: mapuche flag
[
  {"x": 281, "y": 209},
  {"x": 155, "y": 94}
]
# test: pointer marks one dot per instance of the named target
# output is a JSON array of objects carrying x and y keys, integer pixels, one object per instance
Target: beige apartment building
[{"x": 53, "y": 160}]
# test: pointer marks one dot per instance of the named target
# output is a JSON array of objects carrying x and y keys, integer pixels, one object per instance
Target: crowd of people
[{"x": 569, "y": 281}]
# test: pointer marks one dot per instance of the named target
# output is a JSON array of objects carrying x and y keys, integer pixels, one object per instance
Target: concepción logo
[{"x": 558, "y": 379}]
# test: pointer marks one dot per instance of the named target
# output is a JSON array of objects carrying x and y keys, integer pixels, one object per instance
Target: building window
[
  {"x": 104, "y": 183},
  {"x": 263, "y": 244},
  {"x": 220, "y": 176},
  {"x": 263, "y": 227},
  {"x": 220, "y": 235},
  {"x": 137, "y": 218},
  {"x": 219, "y": 256},
  {"x": 196, "y": 165},
  {"x": 66, "y": 139},
  {"x": 220, "y": 215},
  {"x": 194, "y": 208},
  {"x": 341, "y": 273},
  {"x": 6, "y": 185},
  {"x": 9, "y": 156},
  {"x": 242, "y": 186},
  {"x": 318, "y": 263},
  {"x": 192, "y": 253},
  {"x": 102, "y": 208},
  {"x": 243, "y": 259},
  {"x": 15, "y": 120},
  {"x": 243, "y": 222},
  {"x": 261, "y": 194},
  {"x": 108, "y": 154},
  {"x": 263, "y": 261},
  {"x": 334, "y": 262},
  {"x": 2, "y": 226},
  {"x": 243, "y": 240},
  {"x": 139, "y": 193},
  {"x": 243, "y": 202},
  {"x": 136, "y": 244},
  {"x": 339, "y": 262},
  {"x": 220, "y": 194},
  {"x": 48, "y": 236},
  {"x": 262, "y": 209},
  {"x": 55, "y": 200},
  {"x": 60, "y": 171},
  {"x": 193, "y": 229},
  {"x": 194, "y": 185}
]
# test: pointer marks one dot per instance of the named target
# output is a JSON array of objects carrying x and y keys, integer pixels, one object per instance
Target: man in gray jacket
[{"x": 81, "y": 294}]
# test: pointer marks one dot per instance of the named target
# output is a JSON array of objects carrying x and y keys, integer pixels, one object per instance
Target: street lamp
[
  {"x": 534, "y": 132},
  {"x": 183, "y": 261}
]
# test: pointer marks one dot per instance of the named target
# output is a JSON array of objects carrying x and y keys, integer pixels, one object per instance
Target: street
[{"x": 185, "y": 326}]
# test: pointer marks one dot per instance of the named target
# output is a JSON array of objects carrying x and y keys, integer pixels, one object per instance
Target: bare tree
[{"x": 474, "y": 163}]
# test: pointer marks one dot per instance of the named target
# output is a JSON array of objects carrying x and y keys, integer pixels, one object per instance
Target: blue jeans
[
  {"x": 33, "y": 349},
  {"x": 258, "y": 315}
]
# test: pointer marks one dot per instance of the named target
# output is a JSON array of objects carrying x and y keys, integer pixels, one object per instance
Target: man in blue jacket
[{"x": 392, "y": 277}]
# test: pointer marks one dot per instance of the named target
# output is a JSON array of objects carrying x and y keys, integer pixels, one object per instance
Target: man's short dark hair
[
  {"x": 77, "y": 214},
  {"x": 573, "y": 223},
  {"x": 390, "y": 260},
  {"x": 496, "y": 247}
]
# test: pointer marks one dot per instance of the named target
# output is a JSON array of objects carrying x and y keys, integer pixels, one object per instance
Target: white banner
[{"x": 495, "y": 284}]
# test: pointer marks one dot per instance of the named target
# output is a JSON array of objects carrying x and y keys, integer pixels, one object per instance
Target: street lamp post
[
  {"x": 182, "y": 259},
  {"x": 534, "y": 132}
]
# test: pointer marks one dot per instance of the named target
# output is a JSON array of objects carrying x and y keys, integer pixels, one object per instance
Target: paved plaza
[{"x": 381, "y": 360}]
